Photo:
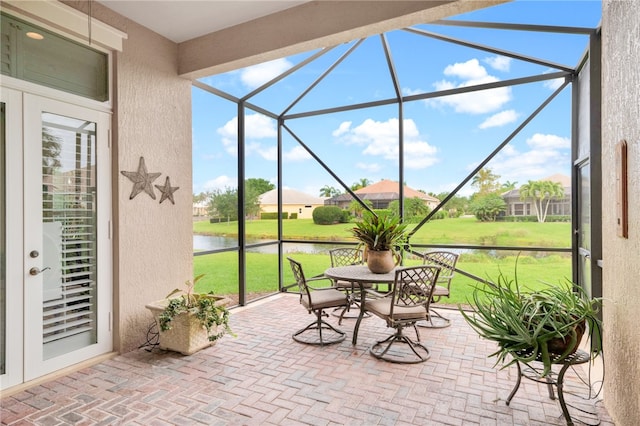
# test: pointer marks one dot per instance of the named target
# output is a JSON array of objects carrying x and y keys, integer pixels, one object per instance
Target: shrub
[
  {"x": 329, "y": 215},
  {"x": 440, "y": 214},
  {"x": 293, "y": 216},
  {"x": 487, "y": 207},
  {"x": 272, "y": 215},
  {"x": 383, "y": 212}
]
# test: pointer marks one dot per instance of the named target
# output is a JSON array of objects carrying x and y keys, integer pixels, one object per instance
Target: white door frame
[{"x": 24, "y": 233}]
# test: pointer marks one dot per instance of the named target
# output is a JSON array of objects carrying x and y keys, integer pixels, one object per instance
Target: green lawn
[
  {"x": 262, "y": 272},
  {"x": 262, "y": 269}
]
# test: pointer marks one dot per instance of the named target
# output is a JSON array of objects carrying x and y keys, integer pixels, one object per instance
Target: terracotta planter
[
  {"x": 559, "y": 346},
  {"x": 556, "y": 347},
  {"x": 381, "y": 262},
  {"x": 187, "y": 335}
]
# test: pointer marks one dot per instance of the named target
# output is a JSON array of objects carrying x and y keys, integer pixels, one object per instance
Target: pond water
[{"x": 206, "y": 242}]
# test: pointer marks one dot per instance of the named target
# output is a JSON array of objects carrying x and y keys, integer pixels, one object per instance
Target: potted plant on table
[
  {"x": 544, "y": 325},
  {"x": 190, "y": 321},
  {"x": 382, "y": 236}
]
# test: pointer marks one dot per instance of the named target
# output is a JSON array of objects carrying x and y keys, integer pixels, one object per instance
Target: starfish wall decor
[
  {"x": 167, "y": 191},
  {"x": 143, "y": 182}
]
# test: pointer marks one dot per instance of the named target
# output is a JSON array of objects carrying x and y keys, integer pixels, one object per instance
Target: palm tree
[
  {"x": 554, "y": 190},
  {"x": 542, "y": 192},
  {"x": 328, "y": 191},
  {"x": 486, "y": 181},
  {"x": 508, "y": 185},
  {"x": 357, "y": 209},
  {"x": 363, "y": 182}
]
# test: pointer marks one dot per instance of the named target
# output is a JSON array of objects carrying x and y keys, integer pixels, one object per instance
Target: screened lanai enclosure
[{"x": 463, "y": 110}]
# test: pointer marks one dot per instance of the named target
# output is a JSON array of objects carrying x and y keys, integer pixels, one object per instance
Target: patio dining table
[{"x": 361, "y": 275}]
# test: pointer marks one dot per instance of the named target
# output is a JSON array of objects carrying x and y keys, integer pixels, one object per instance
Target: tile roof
[{"x": 391, "y": 187}]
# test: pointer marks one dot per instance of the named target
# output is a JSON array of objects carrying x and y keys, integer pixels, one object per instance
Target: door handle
[{"x": 35, "y": 270}]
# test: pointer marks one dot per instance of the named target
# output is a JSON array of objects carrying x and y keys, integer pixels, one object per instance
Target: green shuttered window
[{"x": 33, "y": 54}]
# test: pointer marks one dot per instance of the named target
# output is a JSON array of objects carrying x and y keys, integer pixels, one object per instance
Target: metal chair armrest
[{"x": 320, "y": 278}]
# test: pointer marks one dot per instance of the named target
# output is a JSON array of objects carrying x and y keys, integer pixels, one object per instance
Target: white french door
[{"x": 57, "y": 206}]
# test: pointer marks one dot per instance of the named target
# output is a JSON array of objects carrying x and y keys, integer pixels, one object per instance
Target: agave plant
[
  {"x": 544, "y": 325},
  {"x": 380, "y": 232}
]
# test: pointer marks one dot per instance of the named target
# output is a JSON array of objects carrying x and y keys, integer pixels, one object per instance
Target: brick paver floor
[{"x": 263, "y": 377}]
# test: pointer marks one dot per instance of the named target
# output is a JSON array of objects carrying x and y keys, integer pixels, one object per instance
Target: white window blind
[{"x": 69, "y": 225}]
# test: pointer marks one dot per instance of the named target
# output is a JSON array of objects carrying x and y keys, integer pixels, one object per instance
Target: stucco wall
[
  {"x": 621, "y": 270},
  {"x": 302, "y": 210},
  {"x": 153, "y": 240}
]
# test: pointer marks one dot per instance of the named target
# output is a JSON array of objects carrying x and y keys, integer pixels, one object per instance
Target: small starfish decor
[
  {"x": 167, "y": 191},
  {"x": 142, "y": 180}
]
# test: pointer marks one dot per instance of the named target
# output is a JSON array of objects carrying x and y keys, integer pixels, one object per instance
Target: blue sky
[{"x": 445, "y": 138}]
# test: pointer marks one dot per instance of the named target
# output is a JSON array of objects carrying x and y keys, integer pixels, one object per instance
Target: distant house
[
  {"x": 381, "y": 194},
  {"x": 200, "y": 209},
  {"x": 557, "y": 206},
  {"x": 292, "y": 202}
]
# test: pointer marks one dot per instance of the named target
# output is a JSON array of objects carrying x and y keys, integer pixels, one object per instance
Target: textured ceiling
[{"x": 181, "y": 20}]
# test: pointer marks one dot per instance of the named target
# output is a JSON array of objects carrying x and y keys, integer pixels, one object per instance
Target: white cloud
[
  {"x": 471, "y": 73},
  {"x": 369, "y": 167},
  {"x": 269, "y": 153},
  {"x": 342, "y": 129},
  {"x": 539, "y": 140},
  {"x": 547, "y": 155},
  {"x": 257, "y": 126},
  {"x": 465, "y": 191},
  {"x": 256, "y": 75},
  {"x": 470, "y": 70},
  {"x": 500, "y": 63},
  {"x": 297, "y": 153},
  {"x": 408, "y": 91},
  {"x": 499, "y": 119},
  {"x": 229, "y": 133},
  {"x": 552, "y": 84},
  {"x": 380, "y": 139},
  {"x": 221, "y": 183},
  {"x": 509, "y": 150}
]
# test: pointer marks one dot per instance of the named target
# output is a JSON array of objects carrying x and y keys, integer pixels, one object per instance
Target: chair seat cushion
[
  {"x": 382, "y": 308},
  {"x": 329, "y": 298},
  {"x": 440, "y": 291}
]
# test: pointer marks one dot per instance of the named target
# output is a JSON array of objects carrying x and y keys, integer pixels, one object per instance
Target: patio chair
[
  {"x": 447, "y": 261},
  {"x": 407, "y": 304},
  {"x": 316, "y": 301},
  {"x": 346, "y": 256}
]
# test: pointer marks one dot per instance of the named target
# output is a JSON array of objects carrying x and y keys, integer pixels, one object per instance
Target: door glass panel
[
  {"x": 69, "y": 234},
  {"x": 3, "y": 245}
]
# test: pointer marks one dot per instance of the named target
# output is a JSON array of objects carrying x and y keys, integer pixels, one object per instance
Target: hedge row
[{"x": 274, "y": 215}]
